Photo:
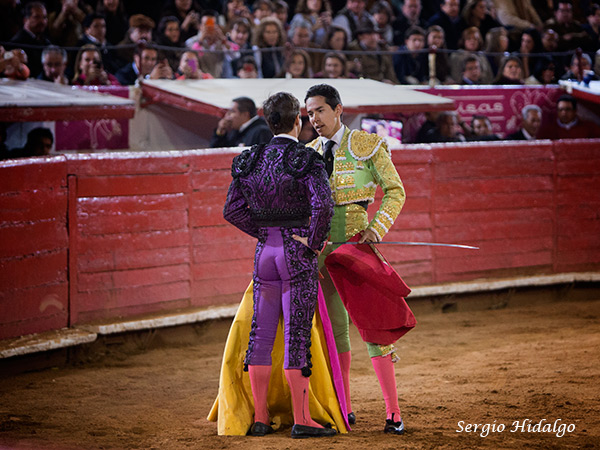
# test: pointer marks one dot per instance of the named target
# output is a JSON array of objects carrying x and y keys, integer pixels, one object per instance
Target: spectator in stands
[
  {"x": 373, "y": 65},
  {"x": 450, "y": 20},
  {"x": 510, "y": 72},
  {"x": 569, "y": 125},
  {"x": 429, "y": 124},
  {"x": 517, "y": 15},
  {"x": 550, "y": 45},
  {"x": 446, "y": 129},
  {"x": 410, "y": 65},
  {"x": 544, "y": 73},
  {"x": 300, "y": 34},
  {"x": 280, "y": 12},
  {"x": 33, "y": 33},
  {"x": 470, "y": 44},
  {"x": 436, "y": 40},
  {"x": 39, "y": 143},
  {"x": 241, "y": 126},
  {"x": 409, "y": 15},
  {"x": 352, "y": 17},
  {"x": 531, "y": 121},
  {"x": 337, "y": 41},
  {"x": 189, "y": 68},
  {"x": 54, "y": 62},
  {"x": 268, "y": 38},
  {"x": 496, "y": 46},
  {"x": 94, "y": 26},
  {"x": 384, "y": 16},
  {"x": 297, "y": 65},
  {"x": 168, "y": 34},
  {"x": 570, "y": 32},
  {"x": 475, "y": 14},
  {"x": 239, "y": 46},
  {"x": 144, "y": 65},
  {"x": 592, "y": 27},
  {"x": 140, "y": 33},
  {"x": 471, "y": 73},
  {"x": 528, "y": 51},
  {"x": 64, "y": 23},
  {"x": 318, "y": 14},
  {"x": 210, "y": 43},
  {"x": 481, "y": 129},
  {"x": 247, "y": 68},
  {"x": 235, "y": 9},
  {"x": 89, "y": 70},
  {"x": 116, "y": 19},
  {"x": 335, "y": 65},
  {"x": 262, "y": 9},
  {"x": 187, "y": 12},
  {"x": 580, "y": 68},
  {"x": 13, "y": 64}
]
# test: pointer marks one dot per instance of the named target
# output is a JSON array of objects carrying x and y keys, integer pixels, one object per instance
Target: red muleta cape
[{"x": 372, "y": 292}]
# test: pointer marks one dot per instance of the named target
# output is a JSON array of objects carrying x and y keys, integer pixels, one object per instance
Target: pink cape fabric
[{"x": 372, "y": 292}]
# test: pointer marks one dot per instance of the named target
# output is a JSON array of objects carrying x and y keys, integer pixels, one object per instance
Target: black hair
[
  {"x": 331, "y": 95},
  {"x": 29, "y": 7},
  {"x": 281, "y": 111},
  {"x": 567, "y": 98},
  {"x": 246, "y": 104},
  {"x": 89, "y": 19}
]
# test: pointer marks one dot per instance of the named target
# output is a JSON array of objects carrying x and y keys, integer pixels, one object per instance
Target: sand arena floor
[{"x": 493, "y": 359}]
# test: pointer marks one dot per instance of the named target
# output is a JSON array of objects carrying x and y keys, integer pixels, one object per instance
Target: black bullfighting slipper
[
  {"x": 304, "y": 431},
  {"x": 260, "y": 429},
  {"x": 351, "y": 418},
  {"x": 393, "y": 427}
]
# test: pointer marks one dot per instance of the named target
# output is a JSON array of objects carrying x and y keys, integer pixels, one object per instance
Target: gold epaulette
[
  {"x": 314, "y": 144},
  {"x": 364, "y": 145}
]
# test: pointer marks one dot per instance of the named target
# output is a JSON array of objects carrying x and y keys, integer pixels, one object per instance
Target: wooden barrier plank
[
  {"x": 127, "y": 163},
  {"x": 143, "y": 221},
  {"x": 132, "y": 259},
  {"x": 28, "y": 238},
  {"x": 132, "y": 278},
  {"x": 31, "y": 173},
  {"x": 132, "y": 204},
  {"x": 32, "y": 205},
  {"x": 412, "y": 221},
  {"x": 36, "y": 270},
  {"x": 478, "y": 232},
  {"x": 211, "y": 161},
  {"x": 223, "y": 269},
  {"x": 481, "y": 264},
  {"x": 207, "y": 208},
  {"x": 493, "y": 216},
  {"x": 143, "y": 240},
  {"x": 108, "y": 186},
  {"x": 211, "y": 180},
  {"x": 482, "y": 201},
  {"x": 211, "y": 252},
  {"x": 29, "y": 304}
]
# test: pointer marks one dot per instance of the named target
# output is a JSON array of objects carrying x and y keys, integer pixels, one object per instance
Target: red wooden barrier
[{"x": 87, "y": 238}]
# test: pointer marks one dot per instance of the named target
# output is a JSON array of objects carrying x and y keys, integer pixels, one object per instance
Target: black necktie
[{"x": 328, "y": 155}]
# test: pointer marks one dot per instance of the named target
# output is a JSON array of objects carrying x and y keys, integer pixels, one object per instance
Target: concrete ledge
[
  {"x": 50, "y": 340},
  {"x": 67, "y": 337}
]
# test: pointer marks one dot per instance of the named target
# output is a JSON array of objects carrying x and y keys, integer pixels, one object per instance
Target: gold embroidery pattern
[
  {"x": 356, "y": 220},
  {"x": 356, "y": 195}
]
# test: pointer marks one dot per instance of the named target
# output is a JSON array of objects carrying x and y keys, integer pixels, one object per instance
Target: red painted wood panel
[
  {"x": 35, "y": 270},
  {"x": 131, "y": 259},
  {"x": 144, "y": 240},
  {"x": 31, "y": 173},
  {"x": 121, "y": 163},
  {"x": 106, "y": 186},
  {"x": 29, "y": 238},
  {"x": 32, "y": 205}
]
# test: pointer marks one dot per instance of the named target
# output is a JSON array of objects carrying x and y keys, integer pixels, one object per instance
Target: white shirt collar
[
  {"x": 337, "y": 137},
  {"x": 247, "y": 124},
  {"x": 568, "y": 126},
  {"x": 287, "y": 136},
  {"x": 526, "y": 134}
]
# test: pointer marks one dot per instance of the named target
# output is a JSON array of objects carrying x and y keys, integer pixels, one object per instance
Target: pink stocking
[
  {"x": 384, "y": 368},
  {"x": 259, "y": 381},
  {"x": 345, "y": 359},
  {"x": 299, "y": 389}
]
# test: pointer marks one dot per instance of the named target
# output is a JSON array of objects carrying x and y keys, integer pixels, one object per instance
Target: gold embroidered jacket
[{"x": 362, "y": 162}]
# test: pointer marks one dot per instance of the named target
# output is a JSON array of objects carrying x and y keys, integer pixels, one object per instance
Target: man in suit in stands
[
  {"x": 568, "y": 124},
  {"x": 530, "y": 125},
  {"x": 241, "y": 126},
  {"x": 33, "y": 36}
]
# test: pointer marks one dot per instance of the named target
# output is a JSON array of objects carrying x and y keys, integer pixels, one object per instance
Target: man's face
[
  {"x": 141, "y": 34},
  {"x": 146, "y": 61},
  {"x": 236, "y": 117},
  {"x": 42, "y": 147},
  {"x": 550, "y": 40},
  {"x": 325, "y": 120},
  {"x": 54, "y": 65},
  {"x": 333, "y": 68},
  {"x": 564, "y": 13},
  {"x": 356, "y": 6},
  {"x": 97, "y": 29},
  {"x": 482, "y": 127},
  {"x": 301, "y": 37},
  {"x": 415, "y": 42},
  {"x": 447, "y": 126},
  {"x": 451, "y": 8},
  {"x": 472, "y": 71},
  {"x": 411, "y": 9},
  {"x": 435, "y": 38},
  {"x": 369, "y": 40},
  {"x": 532, "y": 122},
  {"x": 38, "y": 21},
  {"x": 565, "y": 112}
]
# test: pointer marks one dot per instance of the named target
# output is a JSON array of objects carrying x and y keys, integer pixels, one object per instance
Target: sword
[{"x": 428, "y": 244}]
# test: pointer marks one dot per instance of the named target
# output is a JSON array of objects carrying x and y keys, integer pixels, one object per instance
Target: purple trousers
[{"x": 280, "y": 288}]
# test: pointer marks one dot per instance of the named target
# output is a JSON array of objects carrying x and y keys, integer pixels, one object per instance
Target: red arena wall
[{"x": 88, "y": 238}]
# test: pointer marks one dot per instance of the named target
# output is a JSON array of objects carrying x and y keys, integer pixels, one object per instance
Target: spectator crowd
[{"x": 465, "y": 42}]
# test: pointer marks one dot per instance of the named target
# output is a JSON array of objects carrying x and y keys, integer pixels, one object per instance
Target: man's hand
[
  {"x": 368, "y": 236},
  {"x": 304, "y": 240}
]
